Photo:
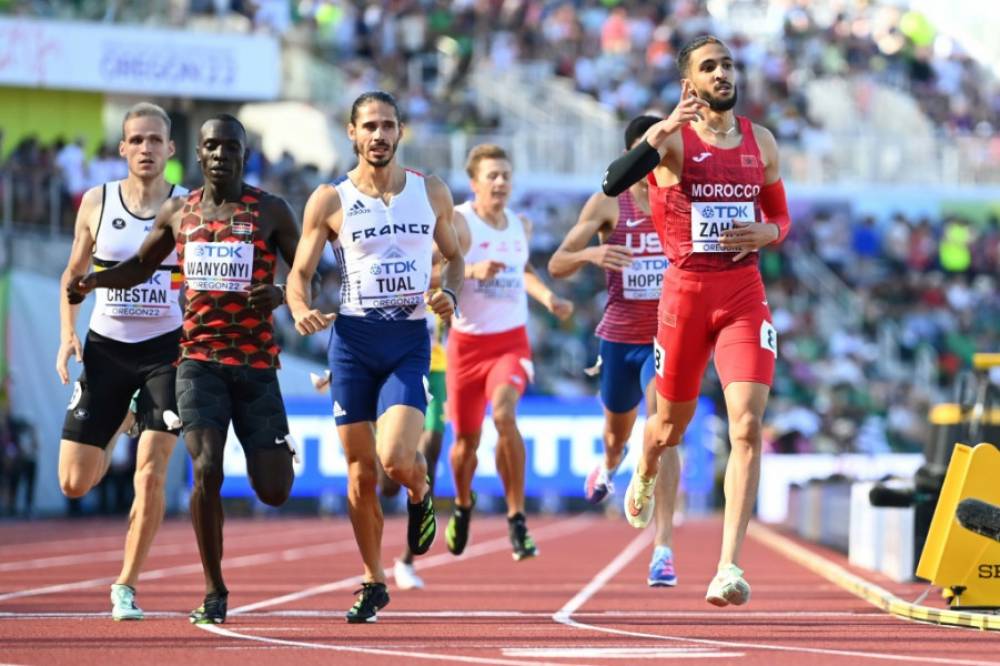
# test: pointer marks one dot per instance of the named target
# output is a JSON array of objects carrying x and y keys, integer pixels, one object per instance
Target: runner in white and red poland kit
[
  {"x": 632, "y": 258},
  {"x": 489, "y": 358}
]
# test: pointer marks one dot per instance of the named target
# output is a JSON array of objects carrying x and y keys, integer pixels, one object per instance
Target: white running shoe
[
  {"x": 639, "y": 500},
  {"x": 123, "y": 603},
  {"x": 406, "y": 576},
  {"x": 728, "y": 587}
]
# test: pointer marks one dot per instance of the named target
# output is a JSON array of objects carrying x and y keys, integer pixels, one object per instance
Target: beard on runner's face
[
  {"x": 387, "y": 149},
  {"x": 720, "y": 104}
]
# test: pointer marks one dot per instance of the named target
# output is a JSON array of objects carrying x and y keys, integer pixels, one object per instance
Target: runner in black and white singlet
[
  {"x": 384, "y": 222},
  {"x": 632, "y": 258},
  {"x": 131, "y": 345}
]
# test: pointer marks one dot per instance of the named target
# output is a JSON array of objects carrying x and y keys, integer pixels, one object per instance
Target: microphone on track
[{"x": 980, "y": 517}]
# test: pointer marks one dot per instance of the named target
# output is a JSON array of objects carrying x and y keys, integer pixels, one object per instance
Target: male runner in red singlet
[
  {"x": 713, "y": 177},
  {"x": 632, "y": 258},
  {"x": 489, "y": 358},
  {"x": 227, "y": 236}
]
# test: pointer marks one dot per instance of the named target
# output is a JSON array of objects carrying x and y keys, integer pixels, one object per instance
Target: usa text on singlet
[
  {"x": 146, "y": 310},
  {"x": 633, "y": 293},
  {"x": 718, "y": 189},
  {"x": 223, "y": 260},
  {"x": 384, "y": 251}
]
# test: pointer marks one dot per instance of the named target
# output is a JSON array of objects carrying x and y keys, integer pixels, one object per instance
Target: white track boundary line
[
  {"x": 172, "y": 547},
  {"x": 564, "y": 616},
  {"x": 286, "y": 555},
  {"x": 560, "y": 528}
]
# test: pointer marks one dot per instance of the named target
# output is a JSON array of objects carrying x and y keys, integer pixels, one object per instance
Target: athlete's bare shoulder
[
  {"x": 768, "y": 144},
  {"x": 600, "y": 211},
  {"x": 439, "y": 194}
]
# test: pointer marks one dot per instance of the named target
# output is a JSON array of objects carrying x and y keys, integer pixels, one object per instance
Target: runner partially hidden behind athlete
[
  {"x": 383, "y": 221},
  {"x": 712, "y": 175},
  {"x": 633, "y": 262},
  {"x": 489, "y": 357},
  {"x": 131, "y": 344},
  {"x": 227, "y": 236}
]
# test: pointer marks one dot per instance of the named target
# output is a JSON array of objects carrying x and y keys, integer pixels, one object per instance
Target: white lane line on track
[
  {"x": 286, "y": 555},
  {"x": 187, "y": 545},
  {"x": 217, "y": 629},
  {"x": 553, "y": 530},
  {"x": 614, "y": 614},
  {"x": 583, "y": 652},
  {"x": 564, "y": 616}
]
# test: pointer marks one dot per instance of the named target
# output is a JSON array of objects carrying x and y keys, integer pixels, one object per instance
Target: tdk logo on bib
[
  {"x": 220, "y": 250},
  {"x": 710, "y": 219},
  {"x": 394, "y": 267}
]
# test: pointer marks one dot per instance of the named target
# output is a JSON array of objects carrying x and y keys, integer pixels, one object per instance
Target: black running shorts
[
  {"x": 112, "y": 372},
  {"x": 210, "y": 395}
]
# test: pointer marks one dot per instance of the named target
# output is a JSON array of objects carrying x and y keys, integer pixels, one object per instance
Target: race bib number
[
  {"x": 152, "y": 298},
  {"x": 218, "y": 266},
  {"x": 506, "y": 285},
  {"x": 769, "y": 337},
  {"x": 657, "y": 357},
  {"x": 709, "y": 219},
  {"x": 391, "y": 282},
  {"x": 643, "y": 280}
]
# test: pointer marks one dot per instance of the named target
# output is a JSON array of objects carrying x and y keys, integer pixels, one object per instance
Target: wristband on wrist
[{"x": 454, "y": 299}]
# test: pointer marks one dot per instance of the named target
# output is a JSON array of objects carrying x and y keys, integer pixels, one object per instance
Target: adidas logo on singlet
[{"x": 358, "y": 208}]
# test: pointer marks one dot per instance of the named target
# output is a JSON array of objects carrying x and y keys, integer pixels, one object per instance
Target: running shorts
[
  {"x": 477, "y": 366},
  {"x": 722, "y": 311},
  {"x": 112, "y": 372},
  {"x": 376, "y": 364},
  {"x": 626, "y": 370}
]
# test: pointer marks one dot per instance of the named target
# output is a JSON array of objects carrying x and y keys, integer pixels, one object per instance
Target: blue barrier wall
[{"x": 562, "y": 438}]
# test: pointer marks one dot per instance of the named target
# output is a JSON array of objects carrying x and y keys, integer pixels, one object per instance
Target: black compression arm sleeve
[{"x": 630, "y": 168}]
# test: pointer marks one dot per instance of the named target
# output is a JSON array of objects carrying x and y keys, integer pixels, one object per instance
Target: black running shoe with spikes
[
  {"x": 421, "y": 526},
  {"x": 374, "y": 597},
  {"x": 521, "y": 542},
  {"x": 456, "y": 535},
  {"x": 212, "y": 610}
]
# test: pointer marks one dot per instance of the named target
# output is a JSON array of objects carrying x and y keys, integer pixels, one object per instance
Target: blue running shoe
[{"x": 661, "y": 568}]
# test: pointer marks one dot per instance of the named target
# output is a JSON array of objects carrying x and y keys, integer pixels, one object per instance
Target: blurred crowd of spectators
[
  {"x": 18, "y": 463},
  {"x": 622, "y": 52}
]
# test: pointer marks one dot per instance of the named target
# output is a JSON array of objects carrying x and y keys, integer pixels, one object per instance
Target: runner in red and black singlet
[
  {"x": 632, "y": 258},
  {"x": 227, "y": 236},
  {"x": 716, "y": 199},
  {"x": 220, "y": 326}
]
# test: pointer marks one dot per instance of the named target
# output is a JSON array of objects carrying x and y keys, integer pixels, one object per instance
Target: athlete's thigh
[
  {"x": 397, "y": 432},
  {"x": 158, "y": 392},
  {"x": 747, "y": 345},
  {"x": 434, "y": 420},
  {"x": 203, "y": 397},
  {"x": 259, "y": 418},
  {"x": 465, "y": 381},
  {"x": 101, "y": 394},
  {"x": 406, "y": 384},
  {"x": 683, "y": 341},
  {"x": 620, "y": 382},
  {"x": 153, "y": 452}
]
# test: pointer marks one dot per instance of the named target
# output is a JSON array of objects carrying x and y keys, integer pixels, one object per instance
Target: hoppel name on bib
[
  {"x": 218, "y": 266},
  {"x": 643, "y": 279},
  {"x": 709, "y": 219}
]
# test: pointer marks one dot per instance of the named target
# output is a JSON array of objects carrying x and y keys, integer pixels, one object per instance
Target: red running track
[{"x": 583, "y": 601}]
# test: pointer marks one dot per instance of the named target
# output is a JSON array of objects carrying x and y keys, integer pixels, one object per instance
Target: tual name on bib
[{"x": 391, "y": 282}]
